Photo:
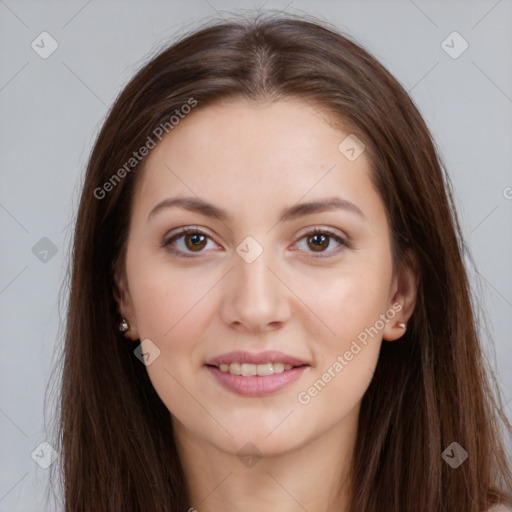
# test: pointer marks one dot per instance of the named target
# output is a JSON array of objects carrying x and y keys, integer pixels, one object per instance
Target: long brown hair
[{"x": 430, "y": 389}]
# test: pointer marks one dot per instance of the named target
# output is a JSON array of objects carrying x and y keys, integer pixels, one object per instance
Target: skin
[{"x": 255, "y": 159}]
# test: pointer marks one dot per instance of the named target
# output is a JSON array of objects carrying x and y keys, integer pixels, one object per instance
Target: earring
[
  {"x": 123, "y": 326},
  {"x": 402, "y": 325}
]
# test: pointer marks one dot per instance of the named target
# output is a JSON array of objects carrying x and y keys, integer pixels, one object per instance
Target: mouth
[
  {"x": 256, "y": 374},
  {"x": 250, "y": 370}
]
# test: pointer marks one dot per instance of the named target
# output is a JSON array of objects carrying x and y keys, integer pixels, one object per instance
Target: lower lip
[{"x": 256, "y": 385}]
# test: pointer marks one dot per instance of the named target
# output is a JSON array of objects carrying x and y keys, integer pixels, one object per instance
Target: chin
[{"x": 267, "y": 441}]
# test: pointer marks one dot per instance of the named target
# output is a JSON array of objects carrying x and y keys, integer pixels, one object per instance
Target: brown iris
[
  {"x": 324, "y": 240},
  {"x": 198, "y": 241}
]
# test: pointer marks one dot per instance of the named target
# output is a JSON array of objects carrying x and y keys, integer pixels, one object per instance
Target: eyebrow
[{"x": 197, "y": 205}]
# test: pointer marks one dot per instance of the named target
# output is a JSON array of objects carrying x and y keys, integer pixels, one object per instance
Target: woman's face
[{"x": 250, "y": 284}]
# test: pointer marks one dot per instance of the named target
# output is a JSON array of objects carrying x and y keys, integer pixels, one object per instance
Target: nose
[{"x": 255, "y": 298}]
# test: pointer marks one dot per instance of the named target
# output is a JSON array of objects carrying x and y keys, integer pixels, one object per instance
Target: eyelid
[
  {"x": 188, "y": 230},
  {"x": 323, "y": 229}
]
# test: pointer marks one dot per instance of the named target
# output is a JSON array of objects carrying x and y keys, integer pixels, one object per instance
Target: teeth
[{"x": 248, "y": 370}]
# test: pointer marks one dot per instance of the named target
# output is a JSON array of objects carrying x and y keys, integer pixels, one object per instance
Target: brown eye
[
  {"x": 319, "y": 242},
  {"x": 186, "y": 242},
  {"x": 196, "y": 241},
  {"x": 324, "y": 242}
]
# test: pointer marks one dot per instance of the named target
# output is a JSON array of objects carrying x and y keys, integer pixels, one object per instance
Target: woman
[{"x": 269, "y": 307}]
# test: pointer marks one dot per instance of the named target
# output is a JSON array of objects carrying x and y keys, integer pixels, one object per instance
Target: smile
[
  {"x": 256, "y": 374},
  {"x": 248, "y": 370}
]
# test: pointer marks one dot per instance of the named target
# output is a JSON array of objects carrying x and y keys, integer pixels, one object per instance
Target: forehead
[
  {"x": 250, "y": 156},
  {"x": 280, "y": 131}
]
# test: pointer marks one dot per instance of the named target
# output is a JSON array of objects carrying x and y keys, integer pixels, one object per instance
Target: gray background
[{"x": 51, "y": 110}]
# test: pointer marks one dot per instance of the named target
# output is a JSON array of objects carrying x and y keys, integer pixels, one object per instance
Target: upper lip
[{"x": 270, "y": 356}]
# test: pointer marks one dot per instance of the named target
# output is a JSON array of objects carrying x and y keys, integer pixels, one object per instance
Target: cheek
[
  {"x": 172, "y": 310},
  {"x": 165, "y": 297},
  {"x": 346, "y": 360},
  {"x": 349, "y": 301}
]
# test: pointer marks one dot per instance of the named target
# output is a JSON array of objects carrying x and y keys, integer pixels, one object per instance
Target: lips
[
  {"x": 257, "y": 385},
  {"x": 256, "y": 374}
]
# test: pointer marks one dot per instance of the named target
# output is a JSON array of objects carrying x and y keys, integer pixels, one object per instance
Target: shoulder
[{"x": 499, "y": 508}]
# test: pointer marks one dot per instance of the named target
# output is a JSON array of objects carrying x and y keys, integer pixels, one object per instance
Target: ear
[
  {"x": 404, "y": 290},
  {"x": 124, "y": 303}
]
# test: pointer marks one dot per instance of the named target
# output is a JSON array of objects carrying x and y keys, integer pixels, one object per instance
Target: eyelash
[{"x": 195, "y": 231}]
